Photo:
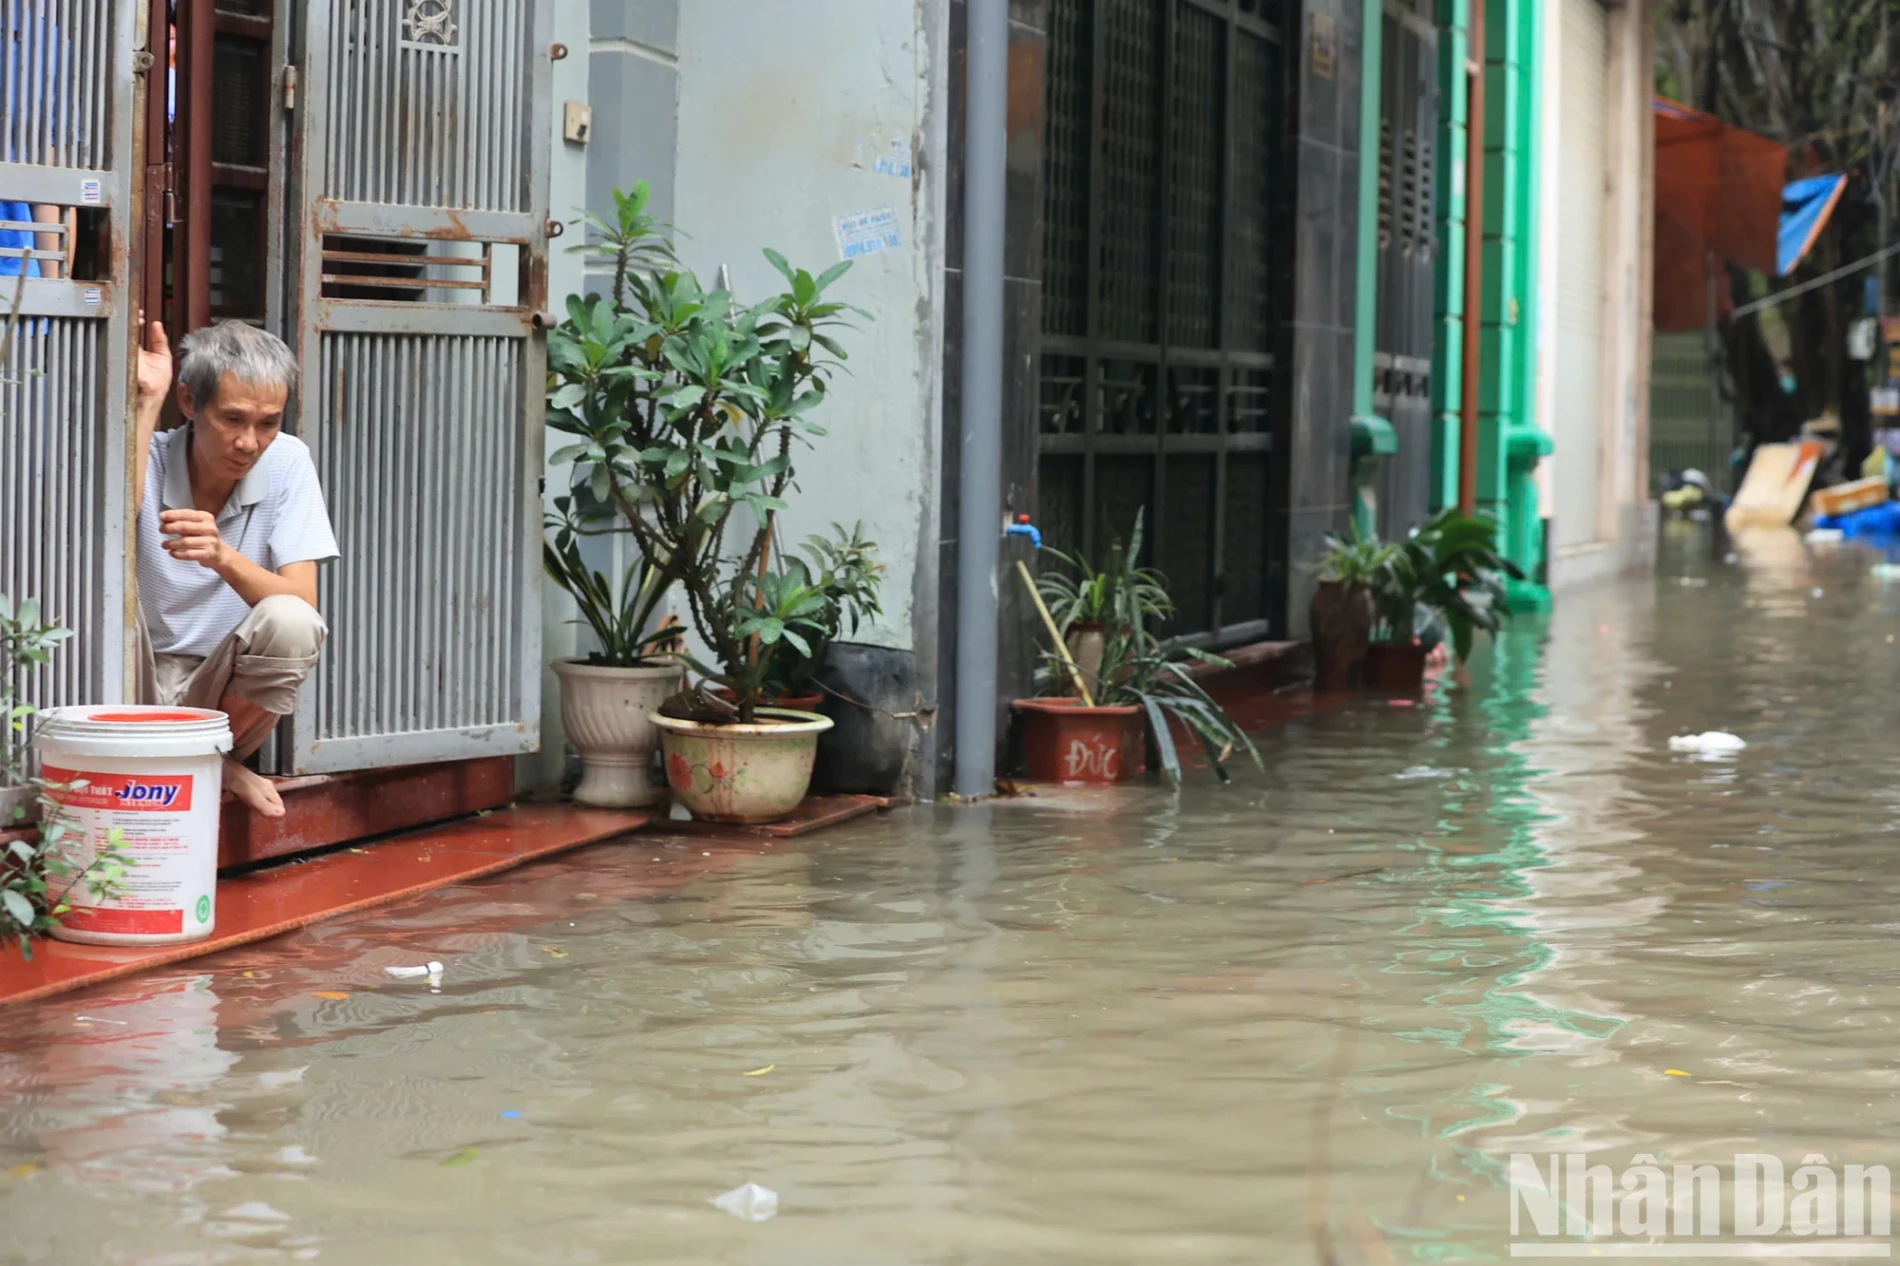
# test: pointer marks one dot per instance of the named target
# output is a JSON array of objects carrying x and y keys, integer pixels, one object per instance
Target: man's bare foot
[{"x": 253, "y": 789}]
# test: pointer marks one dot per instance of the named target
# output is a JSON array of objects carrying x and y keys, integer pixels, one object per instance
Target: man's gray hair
[{"x": 254, "y": 357}]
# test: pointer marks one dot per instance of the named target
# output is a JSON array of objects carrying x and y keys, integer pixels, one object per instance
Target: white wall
[
  {"x": 784, "y": 112},
  {"x": 1623, "y": 534}
]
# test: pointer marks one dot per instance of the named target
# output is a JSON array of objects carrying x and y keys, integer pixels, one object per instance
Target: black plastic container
[{"x": 867, "y": 752}]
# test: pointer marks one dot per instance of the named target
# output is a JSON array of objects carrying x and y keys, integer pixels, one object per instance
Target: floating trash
[
  {"x": 415, "y": 973},
  {"x": 1712, "y": 743},
  {"x": 751, "y": 1202}
]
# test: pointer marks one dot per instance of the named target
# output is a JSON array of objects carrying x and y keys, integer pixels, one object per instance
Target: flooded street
[{"x": 1302, "y": 1019}]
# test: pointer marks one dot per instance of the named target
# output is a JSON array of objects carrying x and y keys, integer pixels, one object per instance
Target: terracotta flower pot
[
  {"x": 741, "y": 773},
  {"x": 1064, "y": 742},
  {"x": 604, "y": 711},
  {"x": 1087, "y": 641},
  {"x": 1397, "y": 666},
  {"x": 1341, "y": 618}
]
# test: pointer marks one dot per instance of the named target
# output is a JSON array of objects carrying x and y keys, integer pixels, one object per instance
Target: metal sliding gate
[
  {"x": 67, "y": 94},
  {"x": 419, "y": 249},
  {"x": 1164, "y": 216},
  {"x": 1402, "y": 364}
]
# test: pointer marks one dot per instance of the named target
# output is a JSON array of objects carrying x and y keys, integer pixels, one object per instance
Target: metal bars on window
[
  {"x": 66, "y": 113},
  {"x": 1402, "y": 363},
  {"x": 1162, "y": 292}
]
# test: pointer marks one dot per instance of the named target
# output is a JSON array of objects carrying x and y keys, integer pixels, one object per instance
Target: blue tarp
[
  {"x": 1876, "y": 521},
  {"x": 1805, "y": 207}
]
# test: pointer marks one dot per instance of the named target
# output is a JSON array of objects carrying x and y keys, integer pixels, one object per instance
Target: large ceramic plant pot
[
  {"x": 1341, "y": 618},
  {"x": 1087, "y": 642},
  {"x": 1064, "y": 742},
  {"x": 605, "y": 712},
  {"x": 741, "y": 773}
]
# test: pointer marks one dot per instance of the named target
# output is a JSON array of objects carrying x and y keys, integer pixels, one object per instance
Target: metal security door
[
  {"x": 1163, "y": 292},
  {"x": 67, "y": 93},
  {"x": 1402, "y": 364},
  {"x": 421, "y": 245}
]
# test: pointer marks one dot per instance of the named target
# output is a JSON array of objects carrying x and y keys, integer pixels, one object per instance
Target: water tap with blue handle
[{"x": 1023, "y": 527}]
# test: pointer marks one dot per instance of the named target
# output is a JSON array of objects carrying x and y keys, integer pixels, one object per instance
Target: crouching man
[{"x": 231, "y": 528}]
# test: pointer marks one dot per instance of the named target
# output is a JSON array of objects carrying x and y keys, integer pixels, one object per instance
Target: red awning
[{"x": 1718, "y": 188}]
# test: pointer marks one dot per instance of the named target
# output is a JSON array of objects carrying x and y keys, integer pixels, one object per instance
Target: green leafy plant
[
  {"x": 1137, "y": 667},
  {"x": 1449, "y": 567},
  {"x": 620, "y": 614},
  {"x": 38, "y": 876},
  {"x": 844, "y": 570},
  {"x": 1138, "y": 670},
  {"x": 1121, "y": 595},
  {"x": 1355, "y": 560},
  {"x": 685, "y": 408}
]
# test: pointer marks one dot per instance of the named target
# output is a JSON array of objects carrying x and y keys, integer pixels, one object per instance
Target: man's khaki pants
[{"x": 264, "y": 661}]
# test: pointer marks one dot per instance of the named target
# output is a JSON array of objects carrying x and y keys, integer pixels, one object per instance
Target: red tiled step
[
  {"x": 268, "y": 902},
  {"x": 325, "y": 809},
  {"x": 814, "y": 813}
]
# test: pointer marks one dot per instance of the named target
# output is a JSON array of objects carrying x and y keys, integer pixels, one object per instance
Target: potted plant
[
  {"x": 844, "y": 570},
  {"x": 1098, "y": 733},
  {"x": 1448, "y": 571},
  {"x": 1086, "y": 603},
  {"x": 686, "y": 407},
  {"x": 1342, "y": 611},
  {"x": 608, "y": 695}
]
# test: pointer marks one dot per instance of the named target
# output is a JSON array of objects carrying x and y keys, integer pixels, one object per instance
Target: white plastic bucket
[{"x": 156, "y": 775}]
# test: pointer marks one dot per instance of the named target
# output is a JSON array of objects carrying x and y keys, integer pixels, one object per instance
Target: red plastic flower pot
[
  {"x": 1064, "y": 742},
  {"x": 1396, "y": 666}
]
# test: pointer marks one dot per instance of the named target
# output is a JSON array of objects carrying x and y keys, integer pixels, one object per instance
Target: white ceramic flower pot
[
  {"x": 742, "y": 773},
  {"x": 605, "y": 712}
]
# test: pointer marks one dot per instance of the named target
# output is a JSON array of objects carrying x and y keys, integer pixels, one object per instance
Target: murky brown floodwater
[{"x": 1186, "y": 1031}]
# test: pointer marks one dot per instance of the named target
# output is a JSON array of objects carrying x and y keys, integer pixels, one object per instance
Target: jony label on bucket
[{"x": 162, "y": 893}]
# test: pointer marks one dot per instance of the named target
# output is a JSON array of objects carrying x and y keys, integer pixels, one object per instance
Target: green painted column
[
  {"x": 1525, "y": 443},
  {"x": 1449, "y": 306},
  {"x": 1509, "y": 442},
  {"x": 1504, "y": 165},
  {"x": 1373, "y": 439}
]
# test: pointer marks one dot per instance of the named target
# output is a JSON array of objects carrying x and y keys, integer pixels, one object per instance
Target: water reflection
[{"x": 1300, "y": 1019}]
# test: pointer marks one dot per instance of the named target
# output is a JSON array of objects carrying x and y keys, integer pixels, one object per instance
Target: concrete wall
[
  {"x": 1020, "y": 636},
  {"x": 761, "y": 126},
  {"x": 1627, "y": 516},
  {"x": 791, "y": 119}
]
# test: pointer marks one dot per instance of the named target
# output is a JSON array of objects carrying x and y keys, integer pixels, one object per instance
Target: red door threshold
[{"x": 268, "y": 902}]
